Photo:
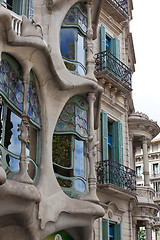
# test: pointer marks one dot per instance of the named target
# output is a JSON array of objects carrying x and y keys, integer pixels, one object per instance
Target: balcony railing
[
  {"x": 123, "y": 4},
  {"x": 107, "y": 61},
  {"x": 116, "y": 174}
]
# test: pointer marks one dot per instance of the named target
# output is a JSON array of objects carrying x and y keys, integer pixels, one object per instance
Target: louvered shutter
[
  {"x": 105, "y": 145},
  {"x": 118, "y": 231},
  {"x": 115, "y": 47},
  {"x": 105, "y": 229},
  {"x": 117, "y": 146}
]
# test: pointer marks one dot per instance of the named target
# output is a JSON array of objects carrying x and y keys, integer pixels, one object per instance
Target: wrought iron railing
[
  {"x": 123, "y": 4},
  {"x": 107, "y": 61},
  {"x": 116, "y": 174}
]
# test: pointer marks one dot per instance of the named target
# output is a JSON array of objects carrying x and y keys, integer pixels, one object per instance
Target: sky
[{"x": 145, "y": 28}]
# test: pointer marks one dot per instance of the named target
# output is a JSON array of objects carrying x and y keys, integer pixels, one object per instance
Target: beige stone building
[
  {"x": 68, "y": 129},
  {"x": 154, "y": 173}
]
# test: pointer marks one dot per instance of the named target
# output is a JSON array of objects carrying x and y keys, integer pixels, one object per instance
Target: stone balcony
[{"x": 118, "y": 9}]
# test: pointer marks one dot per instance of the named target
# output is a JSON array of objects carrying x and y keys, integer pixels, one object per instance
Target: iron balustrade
[
  {"x": 117, "y": 174},
  {"x": 107, "y": 61},
  {"x": 123, "y": 4}
]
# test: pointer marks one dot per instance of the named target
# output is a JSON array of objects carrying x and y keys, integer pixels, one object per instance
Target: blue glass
[
  {"x": 13, "y": 163},
  {"x": 79, "y": 158},
  {"x": 67, "y": 43},
  {"x": 107, "y": 43},
  {"x": 111, "y": 231},
  {"x": 109, "y": 140},
  {"x": 79, "y": 185},
  {"x": 15, "y": 143}
]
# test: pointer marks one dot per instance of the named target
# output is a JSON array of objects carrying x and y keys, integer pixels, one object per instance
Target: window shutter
[
  {"x": 103, "y": 46},
  {"x": 118, "y": 231},
  {"x": 117, "y": 147},
  {"x": 105, "y": 146},
  {"x": 105, "y": 229},
  {"x": 104, "y": 136},
  {"x": 115, "y": 47},
  {"x": 102, "y": 38}
]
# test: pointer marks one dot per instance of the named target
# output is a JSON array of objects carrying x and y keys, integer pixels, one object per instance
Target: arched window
[
  {"x": 72, "y": 39},
  {"x": 69, "y": 147},
  {"x": 11, "y": 109}
]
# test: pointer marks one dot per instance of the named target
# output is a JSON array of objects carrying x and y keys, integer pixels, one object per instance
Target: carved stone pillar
[
  {"x": 145, "y": 162},
  {"x": 23, "y": 176},
  {"x": 148, "y": 231},
  {"x": 92, "y": 151},
  {"x": 90, "y": 55},
  {"x": 132, "y": 163}
]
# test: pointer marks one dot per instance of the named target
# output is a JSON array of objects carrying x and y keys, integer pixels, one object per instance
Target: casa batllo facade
[{"x": 68, "y": 124}]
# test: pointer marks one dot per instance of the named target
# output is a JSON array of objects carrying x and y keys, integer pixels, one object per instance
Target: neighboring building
[
  {"x": 68, "y": 125},
  {"x": 154, "y": 170}
]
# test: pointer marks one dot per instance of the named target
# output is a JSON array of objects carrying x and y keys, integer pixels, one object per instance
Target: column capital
[
  {"x": 144, "y": 139},
  {"x": 131, "y": 137},
  {"x": 91, "y": 97}
]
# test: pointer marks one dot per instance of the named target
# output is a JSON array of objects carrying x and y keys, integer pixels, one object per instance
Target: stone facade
[{"x": 71, "y": 175}]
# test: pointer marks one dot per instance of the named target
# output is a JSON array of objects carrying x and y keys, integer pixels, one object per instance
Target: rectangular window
[
  {"x": 139, "y": 172},
  {"x": 111, "y": 230},
  {"x": 155, "y": 169},
  {"x": 154, "y": 147}
]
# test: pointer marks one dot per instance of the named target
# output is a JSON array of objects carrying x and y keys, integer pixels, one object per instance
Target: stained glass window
[
  {"x": 33, "y": 108},
  {"x": 68, "y": 149},
  {"x": 76, "y": 17},
  {"x": 11, "y": 84},
  {"x": 11, "y": 109},
  {"x": 73, "y": 118},
  {"x": 72, "y": 39}
]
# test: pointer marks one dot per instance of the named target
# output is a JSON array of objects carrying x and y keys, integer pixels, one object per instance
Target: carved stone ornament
[
  {"x": 52, "y": 3},
  {"x": 110, "y": 214}
]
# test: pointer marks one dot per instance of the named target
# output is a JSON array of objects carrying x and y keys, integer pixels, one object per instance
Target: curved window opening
[
  {"x": 69, "y": 147},
  {"x": 11, "y": 111},
  {"x": 72, "y": 39},
  {"x": 59, "y": 235}
]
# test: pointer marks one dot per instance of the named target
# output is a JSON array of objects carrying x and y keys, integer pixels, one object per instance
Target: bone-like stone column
[
  {"x": 145, "y": 162},
  {"x": 23, "y": 176},
  {"x": 90, "y": 56},
  {"x": 91, "y": 151}
]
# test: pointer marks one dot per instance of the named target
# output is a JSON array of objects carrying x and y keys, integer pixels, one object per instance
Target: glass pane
[
  {"x": 64, "y": 182},
  {"x": 79, "y": 158},
  {"x": 81, "y": 54},
  {"x": 13, "y": 163},
  {"x": 61, "y": 150},
  {"x": 67, "y": 43},
  {"x": 11, "y": 84},
  {"x": 81, "y": 121},
  {"x": 111, "y": 231},
  {"x": 79, "y": 185},
  {"x": 33, "y": 106},
  {"x": 1, "y": 121},
  {"x": 11, "y": 141},
  {"x": 32, "y": 143}
]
